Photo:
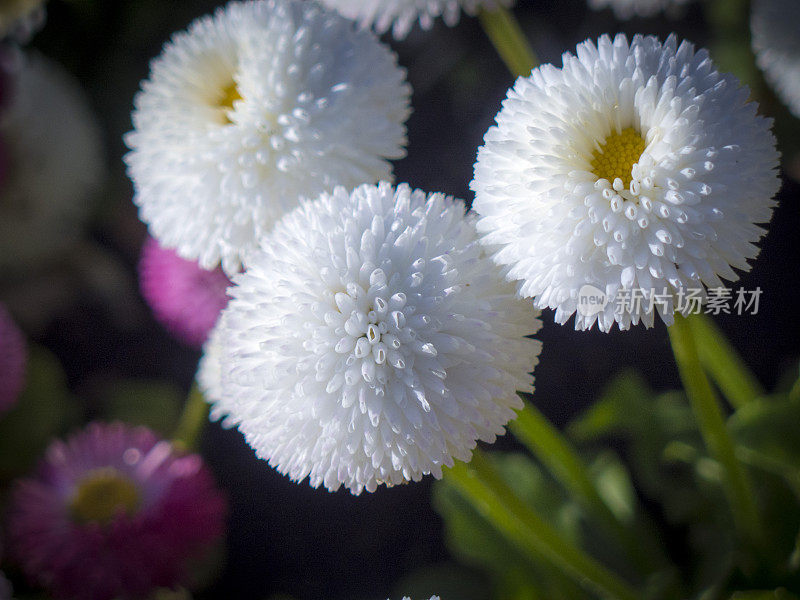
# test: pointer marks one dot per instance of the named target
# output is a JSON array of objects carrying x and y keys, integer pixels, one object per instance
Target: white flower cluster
[
  {"x": 775, "y": 25},
  {"x": 370, "y": 341},
  {"x": 635, "y": 165},
  {"x": 400, "y": 15},
  {"x": 251, "y": 109},
  {"x": 372, "y": 337}
]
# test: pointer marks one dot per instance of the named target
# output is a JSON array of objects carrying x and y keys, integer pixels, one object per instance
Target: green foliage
[
  {"x": 665, "y": 463},
  {"x": 779, "y": 594},
  {"x": 44, "y": 410},
  {"x": 474, "y": 541},
  {"x": 153, "y": 404}
]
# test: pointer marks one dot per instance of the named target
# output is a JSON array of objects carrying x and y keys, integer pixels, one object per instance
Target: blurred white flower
[
  {"x": 400, "y": 15},
  {"x": 251, "y": 109},
  {"x": 635, "y": 166},
  {"x": 371, "y": 341},
  {"x": 627, "y": 9},
  {"x": 775, "y": 25},
  {"x": 51, "y": 165},
  {"x": 20, "y": 19}
]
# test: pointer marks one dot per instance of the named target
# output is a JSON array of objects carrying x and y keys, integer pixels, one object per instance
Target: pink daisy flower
[
  {"x": 113, "y": 512},
  {"x": 185, "y": 298},
  {"x": 13, "y": 360}
]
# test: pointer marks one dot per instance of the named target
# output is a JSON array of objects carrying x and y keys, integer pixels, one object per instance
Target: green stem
[
  {"x": 482, "y": 486},
  {"x": 712, "y": 426},
  {"x": 505, "y": 33},
  {"x": 723, "y": 363},
  {"x": 192, "y": 421},
  {"x": 548, "y": 444},
  {"x": 794, "y": 393}
]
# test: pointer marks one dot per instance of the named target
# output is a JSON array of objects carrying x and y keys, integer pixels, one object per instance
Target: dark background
[{"x": 291, "y": 539}]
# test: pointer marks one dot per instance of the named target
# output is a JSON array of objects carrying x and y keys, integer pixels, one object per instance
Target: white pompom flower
[
  {"x": 371, "y": 341},
  {"x": 253, "y": 108},
  {"x": 775, "y": 27},
  {"x": 400, "y": 15},
  {"x": 51, "y": 165},
  {"x": 627, "y": 9},
  {"x": 636, "y": 166}
]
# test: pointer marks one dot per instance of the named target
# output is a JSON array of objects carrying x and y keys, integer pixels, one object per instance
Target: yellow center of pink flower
[
  {"x": 104, "y": 494},
  {"x": 617, "y": 155}
]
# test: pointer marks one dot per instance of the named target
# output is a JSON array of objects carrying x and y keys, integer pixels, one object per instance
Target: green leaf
[
  {"x": 766, "y": 435},
  {"x": 475, "y": 542},
  {"x": 779, "y": 594},
  {"x": 45, "y": 410},
  {"x": 619, "y": 409},
  {"x": 153, "y": 404},
  {"x": 614, "y": 485}
]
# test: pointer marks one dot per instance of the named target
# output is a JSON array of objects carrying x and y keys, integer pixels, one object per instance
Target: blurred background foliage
[{"x": 98, "y": 353}]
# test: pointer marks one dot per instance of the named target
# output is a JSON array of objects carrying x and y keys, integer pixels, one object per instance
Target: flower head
[
  {"x": 400, "y": 15},
  {"x": 13, "y": 359},
  {"x": 52, "y": 164},
  {"x": 776, "y": 43},
  {"x": 636, "y": 166},
  {"x": 251, "y": 109},
  {"x": 370, "y": 341},
  {"x": 113, "y": 512},
  {"x": 185, "y": 298}
]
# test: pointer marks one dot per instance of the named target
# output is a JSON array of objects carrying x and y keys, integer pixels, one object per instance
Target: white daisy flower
[
  {"x": 627, "y": 9},
  {"x": 209, "y": 371},
  {"x": 371, "y": 341},
  {"x": 51, "y": 164},
  {"x": 20, "y": 19},
  {"x": 634, "y": 167},
  {"x": 775, "y": 25},
  {"x": 251, "y": 109},
  {"x": 400, "y": 15}
]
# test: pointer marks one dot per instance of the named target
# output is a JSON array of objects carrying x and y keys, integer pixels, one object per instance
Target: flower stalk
[
  {"x": 551, "y": 447},
  {"x": 712, "y": 427},
  {"x": 723, "y": 364},
  {"x": 483, "y": 487},
  {"x": 192, "y": 421},
  {"x": 503, "y": 29}
]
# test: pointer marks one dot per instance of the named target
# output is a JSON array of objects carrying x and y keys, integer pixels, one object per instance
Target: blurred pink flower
[
  {"x": 113, "y": 512},
  {"x": 185, "y": 298},
  {"x": 13, "y": 360}
]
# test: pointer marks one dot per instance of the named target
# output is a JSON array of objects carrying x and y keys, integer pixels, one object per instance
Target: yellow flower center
[
  {"x": 617, "y": 155},
  {"x": 102, "y": 495},
  {"x": 229, "y": 95}
]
